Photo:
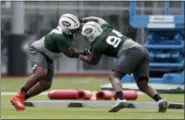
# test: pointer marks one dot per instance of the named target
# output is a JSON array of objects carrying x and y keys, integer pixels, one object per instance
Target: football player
[
  {"x": 131, "y": 58},
  {"x": 42, "y": 53}
]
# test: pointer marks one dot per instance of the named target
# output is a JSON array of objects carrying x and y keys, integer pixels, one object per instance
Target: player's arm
[
  {"x": 67, "y": 50},
  {"x": 70, "y": 52},
  {"x": 92, "y": 58}
]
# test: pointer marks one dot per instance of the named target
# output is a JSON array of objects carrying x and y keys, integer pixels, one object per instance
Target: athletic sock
[
  {"x": 23, "y": 90},
  {"x": 119, "y": 95},
  {"x": 26, "y": 96},
  {"x": 157, "y": 97}
]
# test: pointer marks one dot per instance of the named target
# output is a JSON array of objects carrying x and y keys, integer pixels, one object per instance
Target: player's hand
[
  {"x": 73, "y": 53},
  {"x": 85, "y": 52}
]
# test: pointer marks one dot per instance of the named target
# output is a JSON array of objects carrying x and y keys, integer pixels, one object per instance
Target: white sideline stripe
[
  {"x": 46, "y": 93},
  {"x": 66, "y": 103},
  {"x": 14, "y": 93}
]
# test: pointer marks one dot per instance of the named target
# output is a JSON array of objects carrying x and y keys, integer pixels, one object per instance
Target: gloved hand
[
  {"x": 73, "y": 53},
  {"x": 85, "y": 52}
]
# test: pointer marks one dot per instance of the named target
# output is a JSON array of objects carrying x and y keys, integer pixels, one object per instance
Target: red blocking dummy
[
  {"x": 63, "y": 94},
  {"x": 104, "y": 95},
  {"x": 128, "y": 95},
  {"x": 84, "y": 95}
]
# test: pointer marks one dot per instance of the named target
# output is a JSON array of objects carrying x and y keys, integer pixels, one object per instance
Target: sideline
[{"x": 14, "y": 93}]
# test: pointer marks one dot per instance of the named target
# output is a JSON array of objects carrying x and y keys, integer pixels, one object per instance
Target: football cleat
[
  {"x": 163, "y": 105},
  {"x": 119, "y": 105},
  {"x": 18, "y": 101}
]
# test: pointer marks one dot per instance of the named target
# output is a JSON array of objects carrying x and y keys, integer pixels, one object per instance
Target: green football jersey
[
  {"x": 108, "y": 43},
  {"x": 57, "y": 42}
]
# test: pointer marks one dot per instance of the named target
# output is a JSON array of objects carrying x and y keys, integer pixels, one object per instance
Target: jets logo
[
  {"x": 66, "y": 23},
  {"x": 88, "y": 30}
]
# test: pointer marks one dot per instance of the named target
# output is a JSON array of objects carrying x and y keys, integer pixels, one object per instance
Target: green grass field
[{"x": 13, "y": 84}]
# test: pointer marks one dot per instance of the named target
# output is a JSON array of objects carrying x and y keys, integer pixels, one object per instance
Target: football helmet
[
  {"x": 69, "y": 23},
  {"x": 91, "y": 30}
]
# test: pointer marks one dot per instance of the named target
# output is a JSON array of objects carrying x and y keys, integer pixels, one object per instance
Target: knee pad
[
  {"x": 142, "y": 85},
  {"x": 142, "y": 78}
]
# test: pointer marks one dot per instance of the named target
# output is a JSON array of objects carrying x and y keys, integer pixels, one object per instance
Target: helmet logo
[
  {"x": 66, "y": 23},
  {"x": 88, "y": 30}
]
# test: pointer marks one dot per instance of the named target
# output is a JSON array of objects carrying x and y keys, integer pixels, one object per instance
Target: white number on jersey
[{"x": 113, "y": 40}]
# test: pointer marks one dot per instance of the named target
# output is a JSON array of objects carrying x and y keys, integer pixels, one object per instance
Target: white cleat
[
  {"x": 163, "y": 105},
  {"x": 119, "y": 105}
]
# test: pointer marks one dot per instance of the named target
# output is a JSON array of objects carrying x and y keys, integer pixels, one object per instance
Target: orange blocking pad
[
  {"x": 63, "y": 94},
  {"x": 88, "y": 95},
  {"x": 128, "y": 95},
  {"x": 84, "y": 95},
  {"x": 70, "y": 94},
  {"x": 104, "y": 95}
]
